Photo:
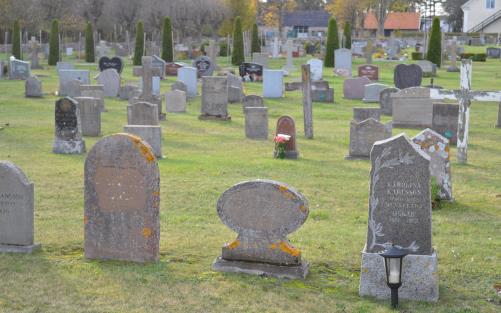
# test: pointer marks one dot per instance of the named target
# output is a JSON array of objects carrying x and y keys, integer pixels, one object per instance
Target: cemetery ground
[{"x": 203, "y": 159}]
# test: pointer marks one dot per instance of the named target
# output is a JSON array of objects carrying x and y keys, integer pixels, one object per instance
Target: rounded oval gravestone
[
  {"x": 204, "y": 66},
  {"x": 106, "y": 63}
]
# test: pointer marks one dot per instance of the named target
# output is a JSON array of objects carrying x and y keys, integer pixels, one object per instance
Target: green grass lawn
[{"x": 203, "y": 159}]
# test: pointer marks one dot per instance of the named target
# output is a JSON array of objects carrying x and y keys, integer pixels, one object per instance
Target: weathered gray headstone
[
  {"x": 343, "y": 61},
  {"x": 354, "y": 88},
  {"x": 273, "y": 83},
  {"x": 385, "y": 101},
  {"x": 364, "y": 134},
  {"x": 263, "y": 213},
  {"x": 406, "y": 76},
  {"x": 437, "y": 147},
  {"x": 427, "y": 67},
  {"x": 175, "y": 101},
  {"x": 33, "y": 87},
  {"x": 412, "y": 108},
  {"x": 125, "y": 91},
  {"x": 252, "y": 101},
  {"x": 204, "y": 66},
  {"x": 445, "y": 120},
  {"x": 90, "y": 115},
  {"x": 149, "y": 74},
  {"x": 235, "y": 89},
  {"x": 19, "y": 69},
  {"x": 260, "y": 58},
  {"x": 159, "y": 63},
  {"x": 178, "y": 85},
  {"x": 361, "y": 114},
  {"x": 122, "y": 200},
  {"x": 256, "y": 122},
  {"x": 316, "y": 68},
  {"x": 214, "y": 98},
  {"x": 16, "y": 210},
  {"x": 142, "y": 113},
  {"x": 289, "y": 66},
  {"x": 110, "y": 79},
  {"x": 64, "y": 66},
  {"x": 152, "y": 134},
  {"x": 287, "y": 126},
  {"x": 68, "y": 130},
  {"x": 188, "y": 76},
  {"x": 307, "y": 101},
  {"x": 94, "y": 91},
  {"x": 67, "y": 85},
  {"x": 372, "y": 92},
  {"x": 34, "y": 51}
]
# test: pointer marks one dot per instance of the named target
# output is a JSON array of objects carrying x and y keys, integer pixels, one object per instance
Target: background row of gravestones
[{"x": 119, "y": 227}]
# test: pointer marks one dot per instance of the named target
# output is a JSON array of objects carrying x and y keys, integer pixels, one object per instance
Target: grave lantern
[{"x": 393, "y": 264}]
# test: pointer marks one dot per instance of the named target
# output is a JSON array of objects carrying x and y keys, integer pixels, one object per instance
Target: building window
[
  {"x": 301, "y": 29},
  {"x": 490, "y": 4}
]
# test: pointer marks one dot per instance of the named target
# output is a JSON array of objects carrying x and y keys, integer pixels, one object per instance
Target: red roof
[{"x": 394, "y": 20}]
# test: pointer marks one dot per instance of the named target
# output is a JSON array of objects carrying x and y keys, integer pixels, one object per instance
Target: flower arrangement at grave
[{"x": 281, "y": 141}]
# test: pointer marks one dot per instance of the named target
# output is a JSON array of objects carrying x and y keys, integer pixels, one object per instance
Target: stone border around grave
[
  {"x": 261, "y": 269},
  {"x": 19, "y": 249}
]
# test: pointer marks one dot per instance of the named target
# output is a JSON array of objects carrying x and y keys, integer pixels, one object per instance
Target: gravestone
[
  {"x": 68, "y": 128},
  {"x": 188, "y": 76},
  {"x": 406, "y": 76},
  {"x": 212, "y": 52},
  {"x": 178, "y": 85},
  {"x": 385, "y": 101},
  {"x": 142, "y": 113},
  {"x": 343, "y": 61},
  {"x": 323, "y": 94},
  {"x": 372, "y": 92},
  {"x": 33, "y": 87},
  {"x": 289, "y": 66},
  {"x": 260, "y": 58},
  {"x": 64, "y": 66},
  {"x": 307, "y": 101},
  {"x": 453, "y": 53},
  {"x": 293, "y": 86},
  {"x": 445, "y": 120},
  {"x": 361, "y": 114},
  {"x": 412, "y": 108},
  {"x": 252, "y": 101},
  {"x": 256, "y": 122},
  {"x": 35, "y": 50},
  {"x": 149, "y": 74},
  {"x": 428, "y": 68},
  {"x": 16, "y": 210},
  {"x": 499, "y": 117},
  {"x": 159, "y": 63},
  {"x": 354, "y": 88},
  {"x": 107, "y": 63},
  {"x": 214, "y": 98},
  {"x": 493, "y": 53},
  {"x": 122, "y": 200},
  {"x": 67, "y": 85},
  {"x": 275, "y": 49},
  {"x": 263, "y": 213},
  {"x": 287, "y": 126},
  {"x": 369, "y": 71},
  {"x": 251, "y": 72},
  {"x": 204, "y": 66},
  {"x": 364, "y": 134},
  {"x": 90, "y": 115},
  {"x": 125, "y": 91},
  {"x": 235, "y": 89},
  {"x": 273, "y": 84},
  {"x": 437, "y": 148},
  {"x": 316, "y": 68},
  {"x": 175, "y": 101},
  {"x": 171, "y": 68},
  {"x": 400, "y": 214},
  {"x": 152, "y": 134},
  {"x": 19, "y": 70},
  {"x": 110, "y": 80},
  {"x": 94, "y": 91}
]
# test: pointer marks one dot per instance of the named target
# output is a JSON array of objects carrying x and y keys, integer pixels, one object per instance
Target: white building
[{"x": 482, "y": 16}]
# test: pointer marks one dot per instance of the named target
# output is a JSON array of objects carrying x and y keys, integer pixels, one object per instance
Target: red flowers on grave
[{"x": 280, "y": 143}]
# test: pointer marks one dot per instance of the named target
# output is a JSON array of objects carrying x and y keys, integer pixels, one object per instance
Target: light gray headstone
[
  {"x": 316, "y": 68},
  {"x": 33, "y": 87},
  {"x": 175, "y": 101},
  {"x": 188, "y": 76},
  {"x": 67, "y": 78},
  {"x": 122, "y": 200},
  {"x": 110, "y": 79},
  {"x": 412, "y": 108},
  {"x": 142, "y": 113},
  {"x": 235, "y": 89},
  {"x": 90, "y": 115},
  {"x": 256, "y": 122},
  {"x": 252, "y": 101},
  {"x": 263, "y": 213},
  {"x": 343, "y": 60},
  {"x": 214, "y": 98},
  {"x": 94, "y": 91},
  {"x": 273, "y": 83},
  {"x": 364, "y": 134},
  {"x": 372, "y": 92},
  {"x": 152, "y": 134},
  {"x": 64, "y": 66},
  {"x": 260, "y": 58}
]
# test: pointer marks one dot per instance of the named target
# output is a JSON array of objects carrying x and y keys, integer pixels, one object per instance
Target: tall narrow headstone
[
  {"x": 148, "y": 72},
  {"x": 263, "y": 213},
  {"x": 289, "y": 66},
  {"x": 307, "y": 102},
  {"x": 122, "y": 200},
  {"x": 16, "y": 210},
  {"x": 90, "y": 115},
  {"x": 68, "y": 128}
]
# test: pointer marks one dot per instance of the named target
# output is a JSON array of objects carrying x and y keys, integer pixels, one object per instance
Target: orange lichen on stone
[
  {"x": 143, "y": 149},
  {"x": 147, "y": 232},
  {"x": 234, "y": 244},
  {"x": 156, "y": 193},
  {"x": 303, "y": 208},
  {"x": 273, "y": 246},
  {"x": 287, "y": 248},
  {"x": 86, "y": 220},
  {"x": 286, "y": 192}
]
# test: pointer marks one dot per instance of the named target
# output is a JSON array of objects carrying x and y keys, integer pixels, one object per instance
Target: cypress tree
[
  {"x": 332, "y": 43},
  {"x": 237, "y": 56},
  {"x": 167, "y": 41},
  {"x": 256, "y": 43},
  {"x": 54, "y": 43},
  {"x": 435, "y": 43},
  {"x": 139, "y": 49},
  {"x": 347, "y": 35},
  {"x": 16, "y": 41},
  {"x": 89, "y": 44}
]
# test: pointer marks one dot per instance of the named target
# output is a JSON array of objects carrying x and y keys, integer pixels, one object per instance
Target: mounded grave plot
[{"x": 205, "y": 158}]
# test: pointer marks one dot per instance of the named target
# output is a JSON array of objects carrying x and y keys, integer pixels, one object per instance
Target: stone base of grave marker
[
  {"x": 419, "y": 277},
  {"x": 152, "y": 134},
  {"x": 215, "y": 117},
  {"x": 19, "y": 249},
  {"x": 288, "y": 154},
  {"x": 262, "y": 269},
  {"x": 68, "y": 147}
]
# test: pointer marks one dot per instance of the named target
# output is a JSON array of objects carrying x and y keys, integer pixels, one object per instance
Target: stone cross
[
  {"x": 368, "y": 51},
  {"x": 147, "y": 71},
  {"x": 464, "y": 96},
  {"x": 307, "y": 105},
  {"x": 35, "y": 48}
]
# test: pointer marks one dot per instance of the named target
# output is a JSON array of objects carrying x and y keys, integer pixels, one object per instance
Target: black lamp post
[{"x": 393, "y": 265}]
